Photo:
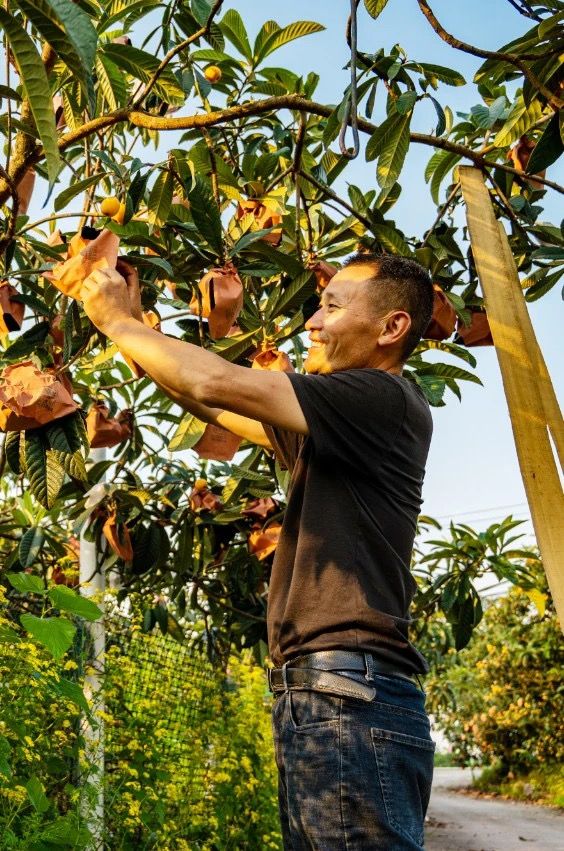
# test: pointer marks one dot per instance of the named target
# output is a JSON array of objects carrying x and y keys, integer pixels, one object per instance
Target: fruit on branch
[
  {"x": 221, "y": 292},
  {"x": 11, "y": 310},
  {"x": 478, "y": 333},
  {"x": 213, "y": 74},
  {"x": 88, "y": 250},
  {"x": 104, "y": 430},
  {"x": 25, "y": 191},
  {"x": 217, "y": 444},
  {"x": 443, "y": 320},
  {"x": 270, "y": 358},
  {"x": 110, "y": 206},
  {"x": 30, "y": 398},
  {"x": 520, "y": 154},
  {"x": 265, "y": 215},
  {"x": 263, "y": 542}
]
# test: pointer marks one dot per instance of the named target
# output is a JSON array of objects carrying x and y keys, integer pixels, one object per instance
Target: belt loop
[
  {"x": 284, "y": 680},
  {"x": 369, "y": 662}
]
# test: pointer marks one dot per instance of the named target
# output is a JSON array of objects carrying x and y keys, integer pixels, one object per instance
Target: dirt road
[{"x": 460, "y": 822}]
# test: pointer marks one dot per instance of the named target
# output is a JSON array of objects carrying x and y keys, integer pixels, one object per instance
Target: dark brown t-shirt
[{"x": 341, "y": 574}]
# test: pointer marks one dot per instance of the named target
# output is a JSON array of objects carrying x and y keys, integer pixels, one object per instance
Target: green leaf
[
  {"x": 521, "y": 117},
  {"x": 206, "y": 216},
  {"x": 8, "y": 636},
  {"x": 390, "y": 143},
  {"x": 444, "y": 167},
  {"x": 30, "y": 340},
  {"x": 7, "y": 92},
  {"x": 160, "y": 198},
  {"x": 69, "y": 30},
  {"x": 12, "y": 450},
  {"x": 75, "y": 189},
  {"x": 391, "y": 240},
  {"x": 36, "y": 794},
  {"x": 231, "y": 348},
  {"x": 439, "y": 72},
  {"x": 446, "y": 371},
  {"x": 73, "y": 464},
  {"x": 548, "y": 148},
  {"x": 4, "y": 754},
  {"x": 289, "y": 33},
  {"x": 56, "y": 634},
  {"x": 375, "y": 7},
  {"x": 26, "y": 583},
  {"x": 69, "y": 601},
  {"x": 293, "y": 296},
  {"x": 406, "y": 102},
  {"x": 142, "y": 66},
  {"x": 67, "y": 832},
  {"x": 189, "y": 431},
  {"x": 54, "y": 475},
  {"x": 111, "y": 82},
  {"x": 233, "y": 28},
  {"x": 70, "y": 690},
  {"x": 434, "y": 388},
  {"x": 36, "y": 86},
  {"x": 30, "y": 546}
]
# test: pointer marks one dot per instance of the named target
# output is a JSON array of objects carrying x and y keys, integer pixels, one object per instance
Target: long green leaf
[
  {"x": 56, "y": 634},
  {"x": 142, "y": 66},
  {"x": 111, "y": 82},
  {"x": 69, "y": 30},
  {"x": 293, "y": 295},
  {"x": 289, "y": 33},
  {"x": 26, "y": 583},
  {"x": 30, "y": 546},
  {"x": 233, "y": 28},
  {"x": 390, "y": 142},
  {"x": 189, "y": 431},
  {"x": 55, "y": 476},
  {"x": 391, "y": 240},
  {"x": 36, "y": 87},
  {"x": 439, "y": 72},
  {"x": 206, "y": 216},
  {"x": 548, "y": 148},
  {"x": 160, "y": 198},
  {"x": 519, "y": 120},
  {"x": 75, "y": 189}
]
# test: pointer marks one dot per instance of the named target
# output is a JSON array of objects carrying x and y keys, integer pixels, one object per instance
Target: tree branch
[
  {"x": 554, "y": 101},
  {"x": 8, "y": 236},
  {"x": 330, "y": 194}
]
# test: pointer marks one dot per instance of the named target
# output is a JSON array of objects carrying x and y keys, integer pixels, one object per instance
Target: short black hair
[{"x": 400, "y": 284}]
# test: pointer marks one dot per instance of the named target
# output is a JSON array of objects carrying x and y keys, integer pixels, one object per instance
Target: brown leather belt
[{"x": 315, "y": 671}]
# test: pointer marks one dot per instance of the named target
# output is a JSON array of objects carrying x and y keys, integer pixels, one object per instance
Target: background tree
[{"x": 231, "y": 232}]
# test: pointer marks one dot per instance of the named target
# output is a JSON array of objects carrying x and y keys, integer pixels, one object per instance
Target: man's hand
[
  {"x": 129, "y": 274},
  {"x": 106, "y": 299}
]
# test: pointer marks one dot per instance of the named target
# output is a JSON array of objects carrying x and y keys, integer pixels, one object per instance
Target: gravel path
[{"x": 458, "y": 822}]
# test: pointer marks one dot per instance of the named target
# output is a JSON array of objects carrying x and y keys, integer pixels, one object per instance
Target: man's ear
[{"x": 396, "y": 325}]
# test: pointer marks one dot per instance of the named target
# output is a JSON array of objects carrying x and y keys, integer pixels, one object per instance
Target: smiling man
[{"x": 352, "y": 739}]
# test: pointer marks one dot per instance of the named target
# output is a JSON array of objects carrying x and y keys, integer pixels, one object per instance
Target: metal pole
[{"x": 93, "y": 584}]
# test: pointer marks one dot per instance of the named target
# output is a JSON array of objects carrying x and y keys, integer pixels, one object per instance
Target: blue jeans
[{"x": 353, "y": 775}]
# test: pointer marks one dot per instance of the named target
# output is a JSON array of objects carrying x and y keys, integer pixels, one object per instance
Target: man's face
[{"x": 344, "y": 331}]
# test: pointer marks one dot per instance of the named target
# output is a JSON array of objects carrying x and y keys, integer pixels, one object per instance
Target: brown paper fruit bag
[
  {"x": 263, "y": 542},
  {"x": 271, "y": 358},
  {"x": 31, "y": 398},
  {"x": 103, "y": 430},
  {"x": 265, "y": 217},
  {"x": 323, "y": 272},
  {"x": 217, "y": 444},
  {"x": 11, "y": 310},
  {"x": 478, "y": 333},
  {"x": 443, "y": 320},
  {"x": 222, "y": 299},
  {"x": 84, "y": 255}
]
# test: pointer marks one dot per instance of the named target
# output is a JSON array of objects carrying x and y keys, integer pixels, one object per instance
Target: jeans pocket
[
  {"x": 405, "y": 772},
  {"x": 310, "y": 710}
]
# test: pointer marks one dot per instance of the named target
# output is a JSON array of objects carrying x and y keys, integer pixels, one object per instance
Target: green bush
[{"x": 501, "y": 700}]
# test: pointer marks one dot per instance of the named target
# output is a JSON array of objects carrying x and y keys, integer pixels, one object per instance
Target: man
[{"x": 352, "y": 739}]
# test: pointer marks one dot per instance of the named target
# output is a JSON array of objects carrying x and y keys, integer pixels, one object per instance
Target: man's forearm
[{"x": 182, "y": 368}]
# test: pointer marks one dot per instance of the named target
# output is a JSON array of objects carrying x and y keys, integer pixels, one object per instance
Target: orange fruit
[
  {"x": 110, "y": 206},
  {"x": 212, "y": 74},
  {"x": 200, "y": 484},
  {"x": 119, "y": 215}
]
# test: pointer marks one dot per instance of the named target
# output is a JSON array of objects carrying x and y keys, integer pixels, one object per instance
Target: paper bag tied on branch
[
  {"x": 217, "y": 444},
  {"x": 270, "y": 358},
  {"x": 88, "y": 250},
  {"x": 106, "y": 431},
  {"x": 203, "y": 499},
  {"x": 31, "y": 398},
  {"x": 222, "y": 299},
  {"x": 25, "y": 191},
  {"x": 265, "y": 216},
  {"x": 443, "y": 320},
  {"x": 11, "y": 310},
  {"x": 118, "y": 537},
  {"x": 478, "y": 333},
  {"x": 323, "y": 272}
]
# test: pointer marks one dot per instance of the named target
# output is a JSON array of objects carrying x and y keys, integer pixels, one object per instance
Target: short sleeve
[
  {"x": 353, "y": 416},
  {"x": 286, "y": 445}
]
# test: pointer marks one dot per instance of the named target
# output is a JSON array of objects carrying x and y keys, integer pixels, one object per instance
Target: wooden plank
[{"x": 532, "y": 403}]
